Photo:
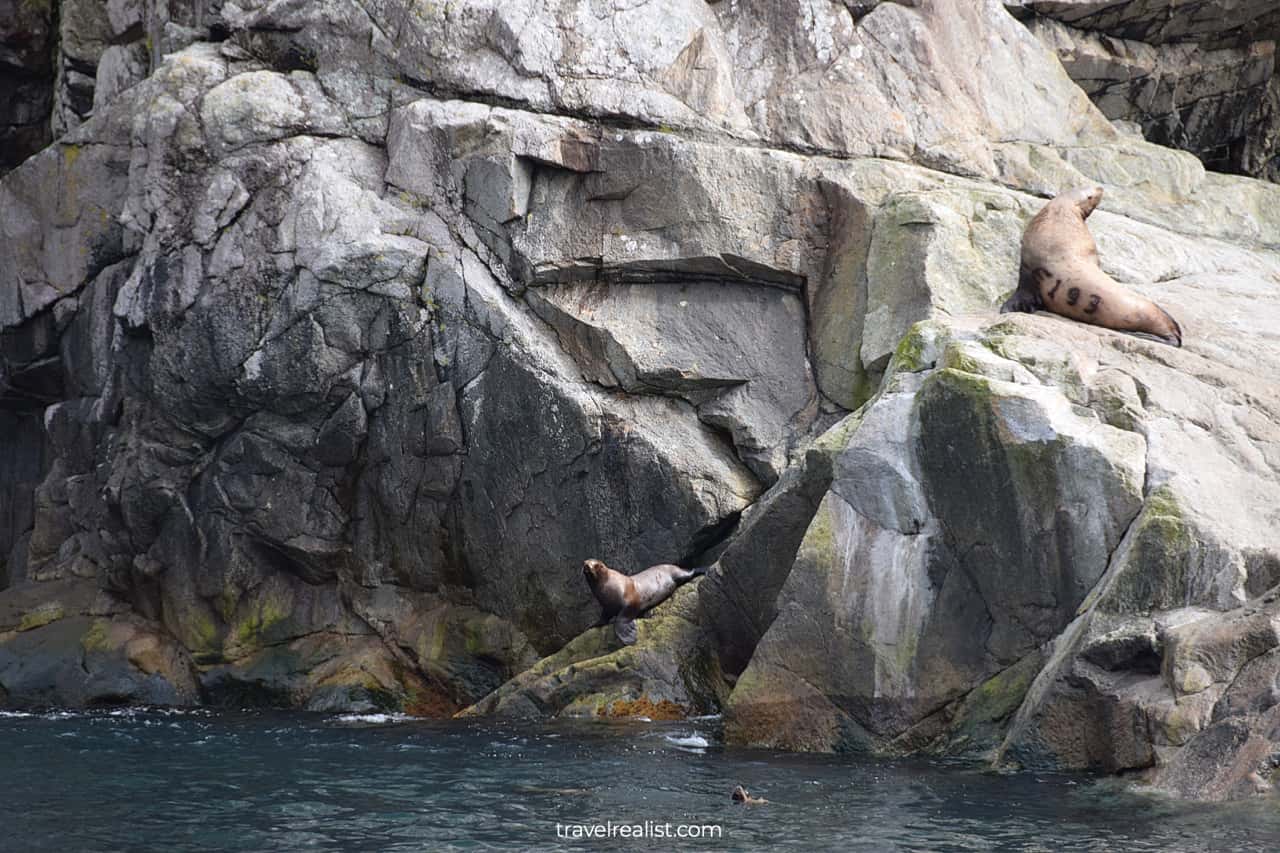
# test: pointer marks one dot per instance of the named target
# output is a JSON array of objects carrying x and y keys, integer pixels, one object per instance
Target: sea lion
[
  {"x": 740, "y": 795},
  {"x": 1060, "y": 273},
  {"x": 623, "y": 597}
]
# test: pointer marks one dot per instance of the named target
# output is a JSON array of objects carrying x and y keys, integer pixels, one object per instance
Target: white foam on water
[
  {"x": 149, "y": 711},
  {"x": 370, "y": 719},
  {"x": 46, "y": 715},
  {"x": 129, "y": 712}
]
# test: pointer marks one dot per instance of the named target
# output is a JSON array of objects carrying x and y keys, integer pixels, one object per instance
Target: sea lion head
[
  {"x": 1084, "y": 199},
  {"x": 594, "y": 571}
]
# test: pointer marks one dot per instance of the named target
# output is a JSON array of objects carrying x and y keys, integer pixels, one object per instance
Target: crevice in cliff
[
  {"x": 1228, "y": 685},
  {"x": 708, "y": 543},
  {"x": 932, "y": 732},
  {"x": 648, "y": 274},
  {"x": 293, "y": 638},
  {"x": 961, "y": 564},
  {"x": 401, "y": 651},
  {"x": 694, "y": 393},
  {"x": 612, "y": 122},
  {"x": 1095, "y": 593}
]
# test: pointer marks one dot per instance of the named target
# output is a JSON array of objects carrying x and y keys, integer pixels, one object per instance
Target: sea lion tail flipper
[
  {"x": 625, "y": 628},
  {"x": 1176, "y": 339},
  {"x": 690, "y": 575}
]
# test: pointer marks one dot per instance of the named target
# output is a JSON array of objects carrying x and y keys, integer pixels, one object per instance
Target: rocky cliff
[
  {"x": 1193, "y": 74},
  {"x": 341, "y": 332}
]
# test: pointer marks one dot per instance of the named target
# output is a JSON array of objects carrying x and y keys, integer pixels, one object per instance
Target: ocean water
[{"x": 142, "y": 780}]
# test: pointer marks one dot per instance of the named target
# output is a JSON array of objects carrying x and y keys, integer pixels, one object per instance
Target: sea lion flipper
[
  {"x": 1027, "y": 303},
  {"x": 1174, "y": 339},
  {"x": 625, "y": 628},
  {"x": 1027, "y": 297},
  {"x": 1160, "y": 339}
]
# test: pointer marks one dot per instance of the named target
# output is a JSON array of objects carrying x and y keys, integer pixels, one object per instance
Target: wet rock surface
[{"x": 335, "y": 337}]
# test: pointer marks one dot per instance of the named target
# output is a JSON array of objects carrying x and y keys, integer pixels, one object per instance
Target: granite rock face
[
  {"x": 26, "y": 79},
  {"x": 1214, "y": 23},
  {"x": 334, "y": 337},
  {"x": 104, "y": 48},
  {"x": 1199, "y": 76},
  {"x": 61, "y": 61}
]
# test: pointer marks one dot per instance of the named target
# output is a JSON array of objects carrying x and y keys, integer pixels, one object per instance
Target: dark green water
[{"x": 148, "y": 780}]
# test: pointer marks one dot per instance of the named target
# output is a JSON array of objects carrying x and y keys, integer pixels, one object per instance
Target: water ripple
[{"x": 137, "y": 779}]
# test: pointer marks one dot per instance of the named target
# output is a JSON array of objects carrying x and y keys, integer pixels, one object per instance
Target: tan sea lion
[
  {"x": 740, "y": 795},
  {"x": 1060, "y": 273},
  {"x": 624, "y": 597}
]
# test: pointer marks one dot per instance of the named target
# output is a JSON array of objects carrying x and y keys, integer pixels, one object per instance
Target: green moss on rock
[
  {"x": 254, "y": 630},
  {"x": 1156, "y": 567},
  {"x": 818, "y": 549},
  {"x": 973, "y": 385},
  {"x": 70, "y": 154},
  {"x": 999, "y": 697},
  {"x": 433, "y": 642},
  {"x": 202, "y": 635},
  {"x": 96, "y": 638},
  {"x": 43, "y": 615},
  {"x": 837, "y": 437},
  {"x": 917, "y": 349},
  {"x": 956, "y": 358}
]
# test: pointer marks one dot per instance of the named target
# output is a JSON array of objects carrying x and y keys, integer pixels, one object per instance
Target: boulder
[
  {"x": 63, "y": 643},
  {"x": 670, "y": 673},
  {"x": 967, "y": 518}
]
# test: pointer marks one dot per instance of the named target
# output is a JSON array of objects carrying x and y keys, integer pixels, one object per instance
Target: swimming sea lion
[
  {"x": 1060, "y": 273},
  {"x": 623, "y": 597},
  {"x": 740, "y": 795}
]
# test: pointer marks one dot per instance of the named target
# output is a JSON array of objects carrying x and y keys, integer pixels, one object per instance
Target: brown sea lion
[
  {"x": 624, "y": 597},
  {"x": 1060, "y": 273},
  {"x": 740, "y": 795}
]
